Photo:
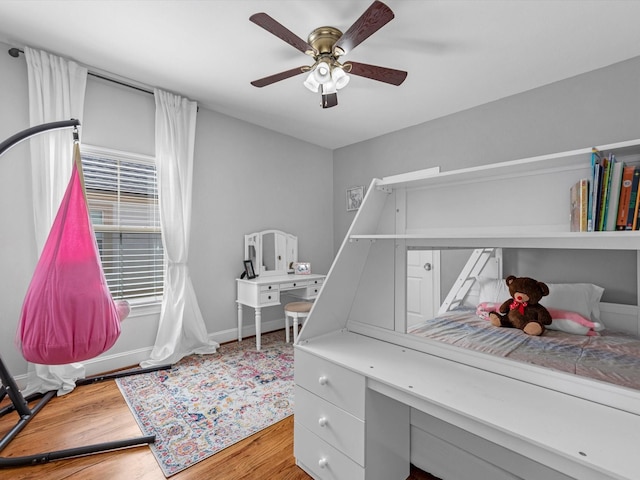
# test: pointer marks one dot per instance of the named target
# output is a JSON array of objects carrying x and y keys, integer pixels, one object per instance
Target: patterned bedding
[{"x": 611, "y": 357}]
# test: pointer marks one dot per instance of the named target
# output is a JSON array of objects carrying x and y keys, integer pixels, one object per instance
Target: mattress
[{"x": 611, "y": 356}]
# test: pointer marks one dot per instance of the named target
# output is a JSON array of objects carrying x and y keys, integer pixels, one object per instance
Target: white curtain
[
  {"x": 181, "y": 330},
  {"x": 56, "y": 92}
]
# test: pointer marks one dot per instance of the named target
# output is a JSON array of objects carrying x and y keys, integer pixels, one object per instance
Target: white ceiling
[{"x": 459, "y": 53}]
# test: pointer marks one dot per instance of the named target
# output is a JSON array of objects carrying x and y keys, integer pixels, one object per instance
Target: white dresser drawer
[
  {"x": 269, "y": 288},
  {"x": 269, "y": 297},
  {"x": 342, "y": 387},
  {"x": 294, "y": 284},
  {"x": 320, "y": 459},
  {"x": 338, "y": 428},
  {"x": 312, "y": 291}
]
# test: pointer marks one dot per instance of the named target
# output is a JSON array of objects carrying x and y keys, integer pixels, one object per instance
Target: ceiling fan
[{"x": 326, "y": 45}]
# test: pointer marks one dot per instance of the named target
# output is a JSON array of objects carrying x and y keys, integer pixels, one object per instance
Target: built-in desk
[
  {"x": 265, "y": 291},
  {"x": 369, "y": 385}
]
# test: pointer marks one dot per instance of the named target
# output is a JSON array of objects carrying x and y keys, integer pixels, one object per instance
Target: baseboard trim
[{"x": 118, "y": 361}]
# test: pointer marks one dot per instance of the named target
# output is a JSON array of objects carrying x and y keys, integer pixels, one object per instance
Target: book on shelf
[
  {"x": 611, "y": 214},
  {"x": 607, "y": 165},
  {"x": 625, "y": 196},
  {"x": 595, "y": 187},
  {"x": 579, "y": 205},
  {"x": 636, "y": 219},
  {"x": 633, "y": 198}
]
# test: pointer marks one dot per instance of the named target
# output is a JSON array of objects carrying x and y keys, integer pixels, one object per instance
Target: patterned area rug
[{"x": 207, "y": 402}]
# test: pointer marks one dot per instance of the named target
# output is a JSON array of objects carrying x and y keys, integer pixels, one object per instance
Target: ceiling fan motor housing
[{"x": 323, "y": 39}]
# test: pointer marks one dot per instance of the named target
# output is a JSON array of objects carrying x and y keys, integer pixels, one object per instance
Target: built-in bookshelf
[{"x": 520, "y": 204}]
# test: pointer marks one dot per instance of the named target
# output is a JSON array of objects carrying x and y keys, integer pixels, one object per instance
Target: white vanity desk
[
  {"x": 265, "y": 292},
  {"x": 272, "y": 254}
]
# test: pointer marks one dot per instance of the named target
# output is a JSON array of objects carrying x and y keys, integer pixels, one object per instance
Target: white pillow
[
  {"x": 582, "y": 298},
  {"x": 493, "y": 290}
]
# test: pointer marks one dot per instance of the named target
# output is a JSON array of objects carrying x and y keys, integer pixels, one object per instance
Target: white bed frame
[{"x": 466, "y": 418}]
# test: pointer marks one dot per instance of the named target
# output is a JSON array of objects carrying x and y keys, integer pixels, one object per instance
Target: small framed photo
[
  {"x": 302, "y": 268},
  {"x": 248, "y": 269},
  {"x": 355, "y": 195}
]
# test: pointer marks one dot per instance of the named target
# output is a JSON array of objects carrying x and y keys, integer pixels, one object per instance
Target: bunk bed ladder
[{"x": 477, "y": 262}]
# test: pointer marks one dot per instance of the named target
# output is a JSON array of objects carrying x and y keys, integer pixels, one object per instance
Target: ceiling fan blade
[
  {"x": 372, "y": 20},
  {"x": 272, "y": 26},
  {"x": 381, "y": 74},
  {"x": 263, "y": 82},
  {"x": 329, "y": 100}
]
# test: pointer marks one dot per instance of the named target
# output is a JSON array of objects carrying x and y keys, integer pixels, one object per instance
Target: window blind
[{"x": 122, "y": 195}]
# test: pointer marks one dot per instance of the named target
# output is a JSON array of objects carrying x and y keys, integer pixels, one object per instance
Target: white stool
[{"x": 295, "y": 310}]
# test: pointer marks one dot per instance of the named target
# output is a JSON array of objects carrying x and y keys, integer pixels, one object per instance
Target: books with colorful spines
[
  {"x": 631, "y": 211},
  {"x": 579, "y": 202},
  {"x": 625, "y": 196},
  {"x": 594, "y": 194},
  {"x": 611, "y": 213}
]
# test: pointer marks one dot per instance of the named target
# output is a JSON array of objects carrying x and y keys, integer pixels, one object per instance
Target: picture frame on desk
[
  {"x": 355, "y": 195},
  {"x": 248, "y": 269},
  {"x": 302, "y": 268}
]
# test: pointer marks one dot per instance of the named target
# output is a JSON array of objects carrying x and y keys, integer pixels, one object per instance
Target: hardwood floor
[{"x": 97, "y": 413}]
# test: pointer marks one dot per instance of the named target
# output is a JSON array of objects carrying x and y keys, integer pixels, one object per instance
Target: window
[{"x": 122, "y": 196}]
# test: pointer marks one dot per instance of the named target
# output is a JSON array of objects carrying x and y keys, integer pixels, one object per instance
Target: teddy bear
[{"x": 522, "y": 310}]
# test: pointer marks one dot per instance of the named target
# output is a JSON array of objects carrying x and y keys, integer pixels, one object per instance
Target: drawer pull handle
[
  {"x": 323, "y": 462},
  {"x": 322, "y": 421},
  {"x": 323, "y": 380}
]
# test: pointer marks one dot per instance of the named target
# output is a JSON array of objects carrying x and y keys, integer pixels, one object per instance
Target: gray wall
[
  {"x": 17, "y": 252},
  {"x": 596, "y": 108},
  {"x": 246, "y": 178}
]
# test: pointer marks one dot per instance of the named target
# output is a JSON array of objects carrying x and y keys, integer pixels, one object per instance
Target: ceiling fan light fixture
[
  {"x": 311, "y": 83},
  {"x": 329, "y": 87},
  {"x": 340, "y": 77},
  {"x": 322, "y": 72}
]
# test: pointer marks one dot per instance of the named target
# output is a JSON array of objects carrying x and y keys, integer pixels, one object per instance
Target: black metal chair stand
[{"x": 20, "y": 405}]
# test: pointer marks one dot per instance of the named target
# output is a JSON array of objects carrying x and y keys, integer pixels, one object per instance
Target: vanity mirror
[{"x": 272, "y": 252}]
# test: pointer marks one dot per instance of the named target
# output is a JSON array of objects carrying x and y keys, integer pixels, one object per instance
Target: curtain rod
[{"x": 15, "y": 52}]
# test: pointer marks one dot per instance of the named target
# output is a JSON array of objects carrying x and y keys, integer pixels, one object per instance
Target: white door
[{"x": 423, "y": 285}]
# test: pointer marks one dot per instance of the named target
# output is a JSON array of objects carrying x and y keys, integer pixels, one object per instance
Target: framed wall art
[{"x": 355, "y": 195}]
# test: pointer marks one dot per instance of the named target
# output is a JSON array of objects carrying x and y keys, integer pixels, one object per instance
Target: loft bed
[
  {"x": 577, "y": 342},
  {"x": 427, "y": 401}
]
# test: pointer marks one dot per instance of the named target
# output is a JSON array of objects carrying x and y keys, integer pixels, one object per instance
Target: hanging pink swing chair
[{"x": 68, "y": 314}]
